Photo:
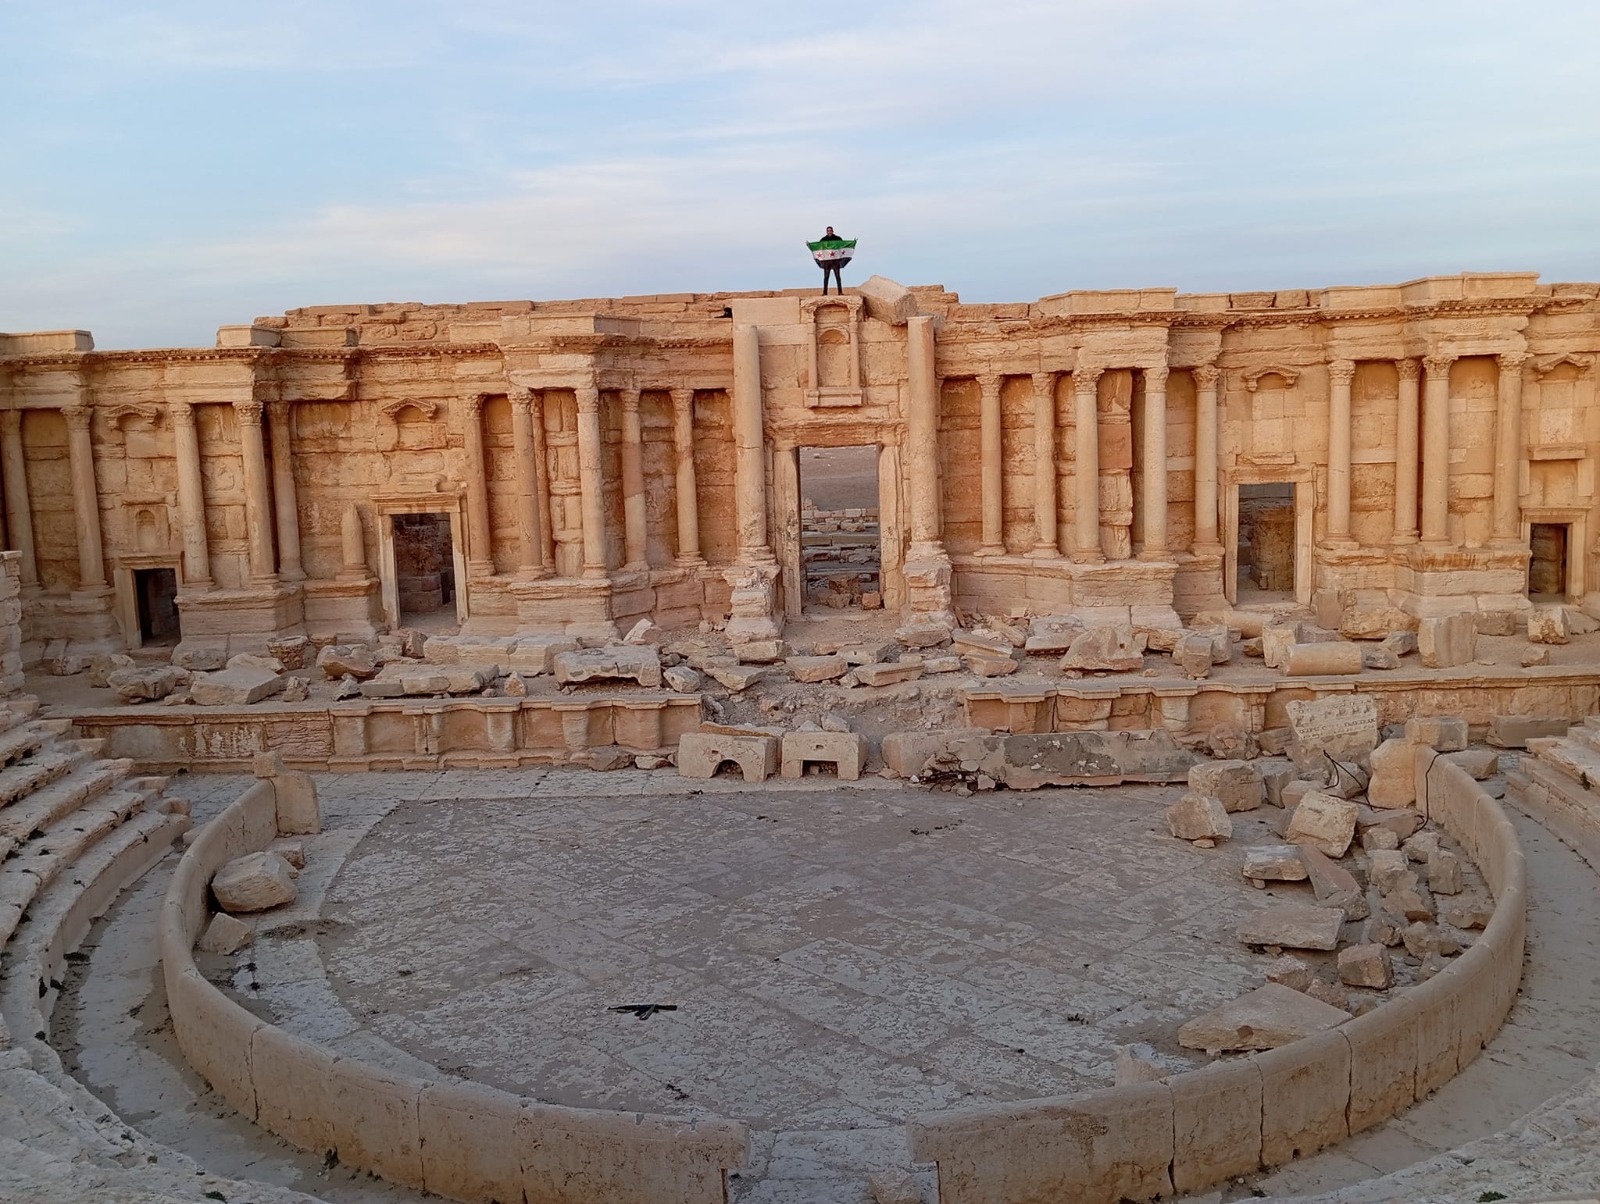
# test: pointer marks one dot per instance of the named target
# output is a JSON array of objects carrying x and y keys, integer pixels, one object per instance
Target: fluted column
[
  {"x": 1206, "y": 539},
  {"x": 683, "y": 456},
  {"x": 1086, "y": 468},
  {"x": 530, "y": 547},
  {"x": 1436, "y": 451},
  {"x": 1405, "y": 453},
  {"x": 750, "y": 456},
  {"x": 922, "y": 439},
  {"x": 191, "y": 498},
  {"x": 85, "y": 497},
  {"x": 1155, "y": 464},
  {"x": 257, "y": 494},
  {"x": 992, "y": 485},
  {"x": 480, "y": 543},
  {"x": 286, "y": 504},
  {"x": 19, "y": 513},
  {"x": 1340, "y": 374},
  {"x": 633, "y": 508},
  {"x": 591, "y": 482},
  {"x": 1508, "y": 450},
  {"x": 1044, "y": 464}
]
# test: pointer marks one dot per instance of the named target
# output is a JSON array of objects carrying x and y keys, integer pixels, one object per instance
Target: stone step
[
  {"x": 21, "y": 741},
  {"x": 1585, "y": 737},
  {"x": 38, "y": 771},
  {"x": 44, "y": 807},
  {"x": 1579, "y": 761}
]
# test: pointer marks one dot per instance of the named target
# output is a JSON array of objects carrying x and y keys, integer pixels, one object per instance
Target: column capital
[
  {"x": 182, "y": 413},
  {"x": 78, "y": 417},
  {"x": 588, "y": 399},
  {"x": 682, "y": 397},
  {"x": 248, "y": 411},
  {"x": 1086, "y": 379},
  {"x": 630, "y": 400},
  {"x": 1437, "y": 365},
  {"x": 1206, "y": 376},
  {"x": 987, "y": 380},
  {"x": 1155, "y": 377},
  {"x": 1409, "y": 369},
  {"x": 1512, "y": 361},
  {"x": 11, "y": 421},
  {"x": 520, "y": 396},
  {"x": 1341, "y": 372},
  {"x": 473, "y": 404},
  {"x": 1044, "y": 380}
]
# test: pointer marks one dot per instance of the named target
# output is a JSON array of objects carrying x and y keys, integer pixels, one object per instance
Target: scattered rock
[
  {"x": 922, "y": 635},
  {"x": 101, "y": 667},
  {"x": 1394, "y": 775},
  {"x": 833, "y": 721},
  {"x": 1401, "y": 643},
  {"x": 150, "y": 684},
  {"x": 291, "y": 651},
  {"x": 643, "y": 632},
  {"x": 225, "y": 934},
  {"x": 1468, "y": 914},
  {"x": 1375, "y": 840},
  {"x": 1105, "y": 650},
  {"x": 760, "y": 652},
  {"x": 234, "y": 687},
  {"x": 1444, "y": 873},
  {"x": 615, "y": 662},
  {"x": 1199, "y": 817},
  {"x": 1236, "y": 783},
  {"x": 1333, "y": 885},
  {"x": 681, "y": 679},
  {"x": 889, "y": 674},
  {"x": 1265, "y": 1018},
  {"x": 1274, "y": 863},
  {"x": 737, "y": 677},
  {"x": 1193, "y": 656},
  {"x": 1409, "y": 901},
  {"x": 200, "y": 657},
  {"x": 1324, "y": 822},
  {"x": 1533, "y": 658},
  {"x": 1548, "y": 625},
  {"x": 1291, "y": 972},
  {"x": 1366, "y": 966},
  {"x": 651, "y": 761},
  {"x": 991, "y": 666},
  {"x": 516, "y": 686},
  {"x": 1379, "y": 658},
  {"x": 816, "y": 668},
  {"x": 254, "y": 882},
  {"x": 348, "y": 660},
  {"x": 348, "y": 687},
  {"x": 1292, "y": 926},
  {"x": 1381, "y": 930},
  {"x": 1231, "y": 742},
  {"x": 607, "y": 757},
  {"x": 296, "y": 689},
  {"x": 1329, "y": 993},
  {"x": 1442, "y": 733},
  {"x": 1386, "y": 869},
  {"x": 1447, "y": 641}
]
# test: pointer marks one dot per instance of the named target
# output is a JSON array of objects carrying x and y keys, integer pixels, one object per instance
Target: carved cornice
[{"x": 1544, "y": 365}]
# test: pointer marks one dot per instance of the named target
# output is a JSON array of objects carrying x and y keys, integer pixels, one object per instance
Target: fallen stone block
[
  {"x": 1374, "y": 622},
  {"x": 359, "y": 661},
  {"x": 1192, "y": 654},
  {"x": 294, "y": 795},
  {"x": 922, "y": 635},
  {"x": 150, "y": 684},
  {"x": 225, "y": 934},
  {"x": 616, "y": 662},
  {"x": 234, "y": 687},
  {"x": 1421, "y": 847},
  {"x": 1401, "y": 822},
  {"x": 1320, "y": 660},
  {"x": 200, "y": 656},
  {"x": 1375, "y": 840},
  {"x": 991, "y": 666},
  {"x": 643, "y": 632},
  {"x": 1444, "y": 873},
  {"x": 1469, "y": 913},
  {"x": 1333, "y": 885},
  {"x": 1105, "y": 650},
  {"x": 1324, "y": 822},
  {"x": 1274, "y": 780},
  {"x": 701, "y": 754},
  {"x": 941, "y": 664},
  {"x": 1199, "y": 817},
  {"x": 1442, "y": 733},
  {"x": 846, "y": 751},
  {"x": 1394, "y": 775},
  {"x": 534, "y": 654},
  {"x": 909, "y": 753},
  {"x": 681, "y": 679},
  {"x": 1401, "y": 643},
  {"x": 1379, "y": 658},
  {"x": 816, "y": 668},
  {"x": 889, "y": 674},
  {"x": 101, "y": 667},
  {"x": 1274, "y": 863},
  {"x": 1292, "y": 926},
  {"x": 970, "y": 643},
  {"x": 1289, "y": 971},
  {"x": 1447, "y": 641},
  {"x": 1230, "y": 741},
  {"x": 1548, "y": 625},
  {"x": 1514, "y": 731},
  {"x": 1343, "y": 727},
  {"x": 1265, "y": 1018},
  {"x": 871, "y": 653},
  {"x": 1236, "y": 783},
  {"x": 254, "y": 882},
  {"x": 760, "y": 652},
  {"x": 1481, "y": 763},
  {"x": 1409, "y": 902},
  {"x": 1386, "y": 869},
  {"x": 1534, "y": 658},
  {"x": 1092, "y": 758},
  {"x": 1330, "y": 993},
  {"x": 737, "y": 678}
]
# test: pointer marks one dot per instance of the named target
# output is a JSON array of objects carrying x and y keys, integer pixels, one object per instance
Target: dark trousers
[{"x": 834, "y": 268}]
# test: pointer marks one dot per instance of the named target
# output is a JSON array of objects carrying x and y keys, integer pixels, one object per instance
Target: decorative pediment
[
  {"x": 1253, "y": 378},
  {"x": 115, "y": 414},
  {"x": 1548, "y": 364},
  {"x": 392, "y": 410}
]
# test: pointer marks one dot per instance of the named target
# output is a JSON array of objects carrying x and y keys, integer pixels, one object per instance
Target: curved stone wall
[
  {"x": 1194, "y": 1130},
  {"x": 460, "y": 1140}
]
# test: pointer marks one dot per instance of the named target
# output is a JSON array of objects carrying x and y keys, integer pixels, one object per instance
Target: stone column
[
  {"x": 1340, "y": 374},
  {"x": 352, "y": 544},
  {"x": 750, "y": 456},
  {"x": 1206, "y": 538},
  {"x": 480, "y": 543},
  {"x": 1044, "y": 464},
  {"x": 1436, "y": 451},
  {"x": 283, "y": 493},
  {"x": 683, "y": 456},
  {"x": 19, "y": 514},
  {"x": 1086, "y": 469},
  {"x": 992, "y": 485},
  {"x": 1155, "y": 464},
  {"x": 633, "y": 510},
  {"x": 591, "y": 481},
  {"x": 85, "y": 497},
  {"x": 1508, "y": 450},
  {"x": 530, "y": 546},
  {"x": 922, "y": 439},
  {"x": 191, "y": 498},
  {"x": 1405, "y": 453},
  {"x": 257, "y": 494}
]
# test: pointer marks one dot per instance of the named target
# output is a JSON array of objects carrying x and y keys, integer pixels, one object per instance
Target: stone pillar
[
  {"x": 257, "y": 495},
  {"x": 683, "y": 456},
  {"x": 19, "y": 513},
  {"x": 530, "y": 545},
  {"x": 352, "y": 545},
  {"x": 1436, "y": 451},
  {"x": 1508, "y": 450},
  {"x": 1206, "y": 537},
  {"x": 633, "y": 510},
  {"x": 86, "y": 497},
  {"x": 191, "y": 498},
  {"x": 1155, "y": 464},
  {"x": 992, "y": 485},
  {"x": 750, "y": 454},
  {"x": 591, "y": 481},
  {"x": 287, "y": 506},
  {"x": 1405, "y": 453},
  {"x": 480, "y": 544},
  {"x": 922, "y": 439},
  {"x": 1340, "y": 374},
  {"x": 1044, "y": 464},
  {"x": 1086, "y": 469}
]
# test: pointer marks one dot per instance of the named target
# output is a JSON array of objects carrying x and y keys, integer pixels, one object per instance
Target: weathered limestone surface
[
  {"x": 234, "y": 687},
  {"x": 1265, "y": 1018},
  {"x": 616, "y": 662},
  {"x": 254, "y": 882}
]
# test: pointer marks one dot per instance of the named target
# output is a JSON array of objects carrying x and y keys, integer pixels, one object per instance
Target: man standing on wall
[{"x": 831, "y": 253}]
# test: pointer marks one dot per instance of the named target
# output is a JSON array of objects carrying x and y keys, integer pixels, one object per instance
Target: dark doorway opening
[
  {"x": 1266, "y": 542},
  {"x": 156, "y": 591},
  {"x": 840, "y": 551},
  {"x": 1547, "y": 567},
  {"x": 424, "y": 565}
]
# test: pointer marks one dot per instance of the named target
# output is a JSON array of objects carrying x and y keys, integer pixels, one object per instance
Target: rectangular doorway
[
  {"x": 425, "y": 571},
  {"x": 1547, "y": 567},
  {"x": 155, "y": 593},
  {"x": 1266, "y": 543},
  {"x": 841, "y": 557}
]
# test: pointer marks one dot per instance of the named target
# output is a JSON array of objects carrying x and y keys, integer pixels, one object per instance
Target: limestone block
[
  {"x": 1386, "y": 869},
  {"x": 1276, "y": 640},
  {"x": 1481, "y": 763},
  {"x": 1199, "y": 817},
  {"x": 1305, "y": 1096},
  {"x": 225, "y": 934},
  {"x": 1344, "y": 727},
  {"x": 1324, "y": 822},
  {"x": 1514, "y": 731},
  {"x": 1316, "y": 660},
  {"x": 1333, "y": 885},
  {"x": 1394, "y": 777},
  {"x": 1236, "y": 783},
  {"x": 991, "y": 666},
  {"x": 1105, "y": 650},
  {"x": 1548, "y": 625},
  {"x": 101, "y": 667},
  {"x": 149, "y": 684},
  {"x": 922, "y": 635},
  {"x": 941, "y": 664},
  {"x": 1408, "y": 901},
  {"x": 1375, "y": 840},
  {"x": 201, "y": 656},
  {"x": 1374, "y": 621},
  {"x": 760, "y": 652},
  {"x": 1265, "y": 1018},
  {"x": 1447, "y": 641},
  {"x": 1230, "y": 741},
  {"x": 887, "y": 675},
  {"x": 643, "y": 632},
  {"x": 1379, "y": 658},
  {"x": 1275, "y": 780},
  {"x": 1444, "y": 873},
  {"x": 970, "y": 642},
  {"x": 700, "y": 754},
  {"x": 1290, "y": 971},
  {"x": 234, "y": 687},
  {"x": 615, "y": 662},
  {"x": 1292, "y": 926},
  {"x": 870, "y": 653},
  {"x": 1216, "y": 1114},
  {"x": 1401, "y": 643},
  {"x": 1051, "y": 643},
  {"x": 846, "y": 750},
  {"x": 1274, "y": 863},
  {"x": 254, "y": 882},
  {"x": 359, "y": 661},
  {"x": 816, "y": 668},
  {"x": 681, "y": 679},
  {"x": 737, "y": 678},
  {"x": 536, "y": 654},
  {"x": 291, "y": 651},
  {"x": 295, "y": 795},
  {"x": 892, "y": 302},
  {"x": 1533, "y": 658},
  {"x": 1442, "y": 733},
  {"x": 1192, "y": 654},
  {"x": 254, "y": 660}
]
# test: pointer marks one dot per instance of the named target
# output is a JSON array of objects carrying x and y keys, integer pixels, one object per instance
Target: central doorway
[
  {"x": 1547, "y": 564},
  {"x": 1266, "y": 543},
  {"x": 841, "y": 556},
  {"x": 155, "y": 594},
  {"x": 424, "y": 565}
]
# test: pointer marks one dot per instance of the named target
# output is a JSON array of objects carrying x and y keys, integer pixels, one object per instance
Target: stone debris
[
  {"x": 897, "y": 1186},
  {"x": 1447, "y": 641},
  {"x": 1401, "y": 822},
  {"x": 888, "y": 674},
  {"x": 1394, "y": 775},
  {"x": 101, "y": 667},
  {"x": 1442, "y": 733},
  {"x": 816, "y": 668},
  {"x": 1409, "y": 900},
  {"x": 1236, "y": 783},
  {"x": 991, "y": 666},
  {"x": 1199, "y": 817},
  {"x": 972, "y": 643},
  {"x": 1330, "y": 993},
  {"x": 1137, "y": 1063},
  {"x": 1322, "y": 659},
  {"x": 292, "y": 651},
  {"x": 239, "y": 686},
  {"x": 1231, "y": 742},
  {"x": 941, "y": 664},
  {"x": 1514, "y": 731},
  {"x": 870, "y": 653},
  {"x": 1468, "y": 914},
  {"x": 681, "y": 679},
  {"x": 225, "y": 934},
  {"x": 1548, "y": 625},
  {"x": 651, "y": 761},
  {"x": 255, "y": 660},
  {"x": 615, "y": 662},
  {"x": 760, "y": 652},
  {"x": 605, "y": 758},
  {"x": 1386, "y": 869},
  {"x": 296, "y": 689},
  {"x": 1193, "y": 655},
  {"x": 200, "y": 656},
  {"x": 516, "y": 686},
  {"x": 1274, "y": 863},
  {"x": 643, "y": 632},
  {"x": 1534, "y": 658},
  {"x": 1445, "y": 876},
  {"x": 1105, "y": 650},
  {"x": 359, "y": 661},
  {"x": 922, "y": 635},
  {"x": 1274, "y": 780},
  {"x": 1421, "y": 847},
  {"x": 348, "y": 687},
  {"x": 736, "y": 678},
  {"x": 1265, "y": 1018},
  {"x": 254, "y": 882},
  {"x": 1343, "y": 727},
  {"x": 1289, "y": 971},
  {"x": 1333, "y": 885},
  {"x": 1377, "y": 839},
  {"x": 1324, "y": 822},
  {"x": 150, "y": 684},
  {"x": 1292, "y": 926},
  {"x": 1401, "y": 643}
]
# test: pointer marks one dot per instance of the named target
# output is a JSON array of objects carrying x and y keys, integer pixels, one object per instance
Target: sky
[{"x": 169, "y": 168}]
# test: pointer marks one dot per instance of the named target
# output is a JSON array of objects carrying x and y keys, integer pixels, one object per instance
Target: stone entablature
[{"x": 605, "y": 459}]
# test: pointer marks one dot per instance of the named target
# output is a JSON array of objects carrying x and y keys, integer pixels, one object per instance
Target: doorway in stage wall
[
  {"x": 424, "y": 565},
  {"x": 1547, "y": 567},
  {"x": 841, "y": 556},
  {"x": 1266, "y": 542},
  {"x": 155, "y": 593}
]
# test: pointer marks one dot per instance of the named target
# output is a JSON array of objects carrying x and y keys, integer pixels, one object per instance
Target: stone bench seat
[
  {"x": 701, "y": 754},
  {"x": 44, "y": 807},
  {"x": 846, "y": 751},
  {"x": 22, "y": 779}
]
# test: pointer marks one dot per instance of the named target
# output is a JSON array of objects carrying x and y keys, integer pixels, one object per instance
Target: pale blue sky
[{"x": 168, "y": 168}]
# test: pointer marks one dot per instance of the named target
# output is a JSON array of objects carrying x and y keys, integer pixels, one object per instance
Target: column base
[
  {"x": 991, "y": 549},
  {"x": 753, "y": 603},
  {"x": 1156, "y": 555},
  {"x": 1045, "y": 551},
  {"x": 1340, "y": 543},
  {"x": 538, "y": 573},
  {"x": 1088, "y": 558},
  {"x": 689, "y": 562}
]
